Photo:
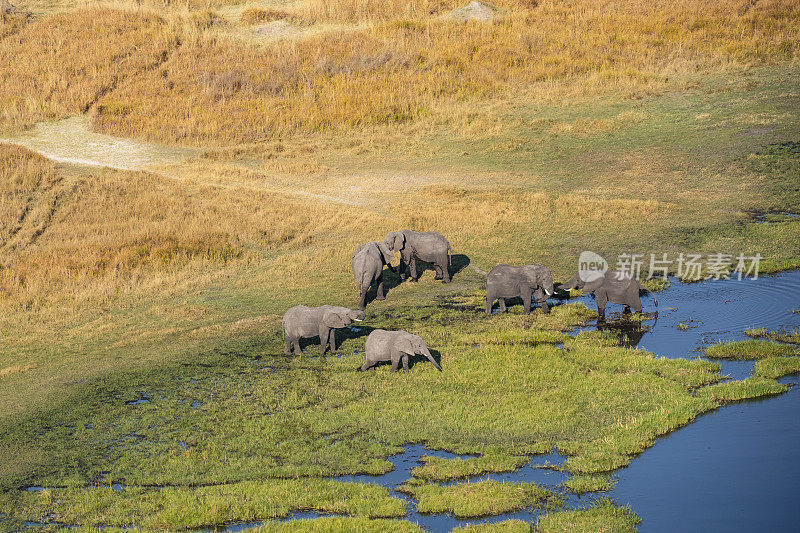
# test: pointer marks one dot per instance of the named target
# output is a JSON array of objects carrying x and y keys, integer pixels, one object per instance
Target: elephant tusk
[
  {"x": 548, "y": 293},
  {"x": 358, "y": 319}
]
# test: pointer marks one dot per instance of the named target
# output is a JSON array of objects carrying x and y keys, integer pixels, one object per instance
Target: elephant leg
[
  {"x": 405, "y": 363},
  {"x": 601, "y": 299},
  {"x": 324, "y": 334},
  {"x": 490, "y": 298},
  {"x": 287, "y": 346},
  {"x": 362, "y": 300},
  {"x": 333, "y": 340},
  {"x": 367, "y": 366},
  {"x": 381, "y": 295},
  {"x": 297, "y": 349},
  {"x": 395, "y": 363},
  {"x": 438, "y": 270},
  {"x": 501, "y": 303},
  {"x": 545, "y": 308},
  {"x": 526, "y": 301},
  {"x": 637, "y": 305},
  {"x": 541, "y": 297},
  {"x": 414, "y": 273},
  {"x": 442, "y": 264}
]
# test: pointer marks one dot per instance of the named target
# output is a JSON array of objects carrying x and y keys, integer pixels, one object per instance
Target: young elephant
[
  {"x": 367, "y": 264},
  {"x": 611, "y": 286},
  {"x": 506, "y": 281},
  {"x": 301, "y": 321},
  {"x": 393, "y": 346},
  {"x": 430, "y": 246}
]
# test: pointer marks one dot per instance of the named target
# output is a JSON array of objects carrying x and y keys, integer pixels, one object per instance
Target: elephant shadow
[
  {"x": 629, "y": 332},
  {"x": 413, "y": 360},
  {"x": 391, "y": 279},
  {"x": 352, "y": 332}
]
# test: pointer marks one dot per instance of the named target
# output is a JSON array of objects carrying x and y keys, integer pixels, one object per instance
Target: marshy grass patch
[
  {"x": 749, "y": 349},
  {"x": 470, "y": 500},
  {"x": 583, "y": 484},
  {"x": 604, "y": 517},
  {"x": 789, "y": 337},
  {"x": 179, "y": 508},
  {"x": 506, "y": 526},
  {"x": 776, "y": 367},
  {"x": 749, "y": 388},
  {"x": 340, "y": 525},
  {"x": 441, "y": 469}
]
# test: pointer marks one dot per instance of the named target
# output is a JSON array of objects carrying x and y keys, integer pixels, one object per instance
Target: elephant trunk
[{"x": 431, "y": 359}]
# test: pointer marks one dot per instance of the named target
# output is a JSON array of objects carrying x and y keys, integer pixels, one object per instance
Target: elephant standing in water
[
  {"x": 506, "y": 281},
  {"x": 394, "y": 346},
  {"x": 367, "y": 264},
  {"x": 430, "y": 246},
  {"x": 301, "y": 322},
  {"x": 611, "y": 286}
]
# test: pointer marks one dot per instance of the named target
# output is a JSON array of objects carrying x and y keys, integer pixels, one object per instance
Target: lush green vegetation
[
  {"x": 791, "y": 337},
  {"x": 440, "y": 469},
  {"x": 752, "y": 387},
  {"x": 604, "y": 518},
  {"x": 749, "y": 349},
  {"x": 506, "y": 526},
  {"x": 467, "y": 500},
  {"x": 776, "y": 367},
  {"x": 582, "y": 484}
]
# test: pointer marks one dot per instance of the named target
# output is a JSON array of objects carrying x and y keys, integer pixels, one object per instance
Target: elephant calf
[
  {"x": 506, "y": 281},
  {"x": 611, "y": 286},
  {"x": 367, "y": 264},
  {"x": 383, "y": 345},
  {"x": 430, "y": 246},
  {"x": 302, "y": 322}
]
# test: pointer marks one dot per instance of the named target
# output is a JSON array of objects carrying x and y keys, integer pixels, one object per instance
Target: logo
[{"x": 591, "y": 266}]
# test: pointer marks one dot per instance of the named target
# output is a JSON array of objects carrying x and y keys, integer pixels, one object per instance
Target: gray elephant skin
[
  {"x": 507, "y": 281},
  {"x": 612, "y": 286},
  {"x": 429, "y": 246},
  {"x": 394, "y": 346},
  {"x": 367, "y": 264},
  {"x": 303, "y": 322}
]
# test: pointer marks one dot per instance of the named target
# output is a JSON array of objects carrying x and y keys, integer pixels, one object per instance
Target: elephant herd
[{"x": 531, "y": 283}]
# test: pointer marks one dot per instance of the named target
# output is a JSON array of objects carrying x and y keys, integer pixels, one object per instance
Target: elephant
[
  {"x": 383, "y": 345},
  {"x": 507, "y": 281},
  {"x": 367, "y": 264},
  {"x": 430, "y": 246},
  {"x": 611, "y": 286},
  {"x": 301, "y": 321}
]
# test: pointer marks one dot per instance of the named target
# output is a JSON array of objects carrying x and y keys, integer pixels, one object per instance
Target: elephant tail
[{"x": 449, "y": 257}]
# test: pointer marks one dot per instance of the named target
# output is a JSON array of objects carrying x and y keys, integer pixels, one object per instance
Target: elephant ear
[
  {"x": 334, "y": 320},
  {"x": 398, "y": 241},
  {"x": 404, "y": 345},
  {"x": 593, "y": 285},
  {"x": 386, "y": 253}
]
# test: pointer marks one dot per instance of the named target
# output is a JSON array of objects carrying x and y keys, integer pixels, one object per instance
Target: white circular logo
[{"x": 591, "y": 266}]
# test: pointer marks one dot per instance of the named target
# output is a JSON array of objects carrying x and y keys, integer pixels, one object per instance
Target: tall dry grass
[
  {"x": 216, "y": 89},
  {"x": 23, "y": 176},
  {"x": 61, "y": 64}
]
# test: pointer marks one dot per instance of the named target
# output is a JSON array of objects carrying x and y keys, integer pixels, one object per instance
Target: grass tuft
[
  {"x": 752, "y": 387},
  {"x": 749, "y": 349}
]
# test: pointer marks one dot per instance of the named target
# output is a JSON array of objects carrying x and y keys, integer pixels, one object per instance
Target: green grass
[
  {"x": 776, "y": 367},
  {"x": 603, "y": 518},
  {"x": 470, "y": 500},
  {"x": 340, "y": 525},
  {"x": 749, "y": 349},
  {"x": 752, "y": 387},
  {"x": 790, "y": 337},
  {"x": 581, "y": 484},
  {"x": 178, "y": 508},
  {"x": 506, "y": 526},
  {"x": 440, "y": 469}
]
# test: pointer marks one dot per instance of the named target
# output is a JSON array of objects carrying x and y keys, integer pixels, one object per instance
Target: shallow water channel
[{"x": 72, "y": 140}]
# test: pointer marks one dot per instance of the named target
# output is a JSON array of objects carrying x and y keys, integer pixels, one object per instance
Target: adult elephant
[
  {"x": 302, "y": 322},
  {"x": 394, "y": 346},
  {"x": 610, "y": 286},
  {"x": 367, "y": 264},
  {"x": 507, "y": 281},
  {"x": 429, "y": 246}
]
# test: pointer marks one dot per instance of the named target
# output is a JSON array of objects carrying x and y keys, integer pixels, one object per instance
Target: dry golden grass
[
  {"x": 23, "y": 176},
  {"x": 61, "y": 64},
  {"x": 216, "y": 89}
]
